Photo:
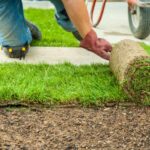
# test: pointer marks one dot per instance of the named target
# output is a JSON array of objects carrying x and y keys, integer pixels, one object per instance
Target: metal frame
[
  {"x": 143, "y": 4},
  {"x": 138, "y": 3}
]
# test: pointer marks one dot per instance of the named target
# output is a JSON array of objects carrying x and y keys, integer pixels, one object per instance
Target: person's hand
[{"x": 97, "y": 45}]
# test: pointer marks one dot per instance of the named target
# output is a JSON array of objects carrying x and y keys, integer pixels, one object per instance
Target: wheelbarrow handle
[
  {"x": 101, "y": 12},
  {"x": 130, "y": 2},
  {"x": 143, "y": 4}
]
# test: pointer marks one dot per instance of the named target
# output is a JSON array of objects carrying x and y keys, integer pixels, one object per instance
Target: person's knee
[
  {"x": 64, "y": 21},
  {"x": 13, "y": 30},
  {"x": 62, "y": 17}
]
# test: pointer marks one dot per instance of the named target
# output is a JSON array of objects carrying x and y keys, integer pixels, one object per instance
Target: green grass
[
  {"x": 146, "y": 47},
  {"x": 61, "y": 83},
  {"x": 53, "y": 34}
]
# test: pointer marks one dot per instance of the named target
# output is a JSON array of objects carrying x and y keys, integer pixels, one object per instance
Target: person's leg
[
  {"x": 63, "y": 19},
  {"x": 62, "y": 16},
  {"x": 35, "y": 31},
  {"x": 13, "y": 28}
]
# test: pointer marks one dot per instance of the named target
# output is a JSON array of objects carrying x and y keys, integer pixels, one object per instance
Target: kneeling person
[{"x": 16, "y": 33}]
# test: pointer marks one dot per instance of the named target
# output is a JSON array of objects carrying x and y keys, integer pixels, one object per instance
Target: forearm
[{"x": 78, "y": 14}]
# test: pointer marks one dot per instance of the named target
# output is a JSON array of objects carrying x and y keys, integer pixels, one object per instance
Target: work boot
[
  {"x": 16, "y": 51},
  {"x": 21, "y": 51},
  {"x": 99, "y": 46},
  {"x": 35, "y": 31}
]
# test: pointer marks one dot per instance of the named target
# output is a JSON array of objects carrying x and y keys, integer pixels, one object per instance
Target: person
[{"x": 16, "y": 33}]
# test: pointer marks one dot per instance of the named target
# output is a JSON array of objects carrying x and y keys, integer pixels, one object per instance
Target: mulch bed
[{"x": 115, "y": 128}]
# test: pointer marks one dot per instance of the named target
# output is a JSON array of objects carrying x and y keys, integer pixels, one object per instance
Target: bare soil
[{"x": 115, "y": 128}]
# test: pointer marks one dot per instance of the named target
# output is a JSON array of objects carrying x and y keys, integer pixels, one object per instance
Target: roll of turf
[{"x": 130, "y": 63}]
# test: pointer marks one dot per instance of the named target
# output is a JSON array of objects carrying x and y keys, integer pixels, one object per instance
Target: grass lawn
[
  {"x": 146, "y": 47},
  {"x": 62, "y": 83},
  {"x": 43, "y": 83},
  {"x": 53, "y": 34}
]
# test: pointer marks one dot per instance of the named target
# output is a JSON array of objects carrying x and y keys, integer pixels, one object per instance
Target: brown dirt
[{"x": 116, "y": 128}]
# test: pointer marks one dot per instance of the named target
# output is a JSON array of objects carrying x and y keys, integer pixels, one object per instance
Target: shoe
[
  {"x": 16, "y": 52},
  {"x": 35, "y": 31}
]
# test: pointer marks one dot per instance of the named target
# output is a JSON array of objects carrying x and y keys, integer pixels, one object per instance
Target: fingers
[
  {"x": 103, "y": 43},
  {"x": 108, "y": 48},
  {"x": 105, "y": 55},
  {"x": 102, "y": 53}
]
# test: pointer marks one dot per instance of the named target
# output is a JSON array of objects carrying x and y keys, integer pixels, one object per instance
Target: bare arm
[{"x": 78, "y": 14}]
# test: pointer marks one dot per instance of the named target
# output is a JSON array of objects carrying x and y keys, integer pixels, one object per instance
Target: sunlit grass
[{"x": 53, "y": 34}]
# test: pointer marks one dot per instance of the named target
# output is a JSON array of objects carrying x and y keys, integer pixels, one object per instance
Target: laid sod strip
[
  {"x": 63, "y": 83},
  {"x": 130, "y": 63},
  {"x": 53, "y": 34}
]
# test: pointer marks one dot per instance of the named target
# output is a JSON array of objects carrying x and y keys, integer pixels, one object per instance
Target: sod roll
[{"x": 130, "y": 63}]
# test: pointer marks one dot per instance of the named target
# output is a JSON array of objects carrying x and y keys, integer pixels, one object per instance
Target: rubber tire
[{"x": 143, "y": 29}]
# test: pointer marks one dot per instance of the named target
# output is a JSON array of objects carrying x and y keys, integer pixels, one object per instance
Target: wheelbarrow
[{"x": 138, "y": 16}]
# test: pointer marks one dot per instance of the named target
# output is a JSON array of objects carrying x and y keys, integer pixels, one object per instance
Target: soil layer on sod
[{"x": 115, "y": 128}]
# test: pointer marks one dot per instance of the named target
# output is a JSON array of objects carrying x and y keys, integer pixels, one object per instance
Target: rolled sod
[{"x": 130, "y": 63}]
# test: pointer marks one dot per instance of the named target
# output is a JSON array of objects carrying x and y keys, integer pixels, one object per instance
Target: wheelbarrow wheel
[{"x": 139, "y": 21}]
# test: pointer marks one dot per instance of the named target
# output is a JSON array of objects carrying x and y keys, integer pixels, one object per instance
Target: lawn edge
[{"x": 72, "y": 104}]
